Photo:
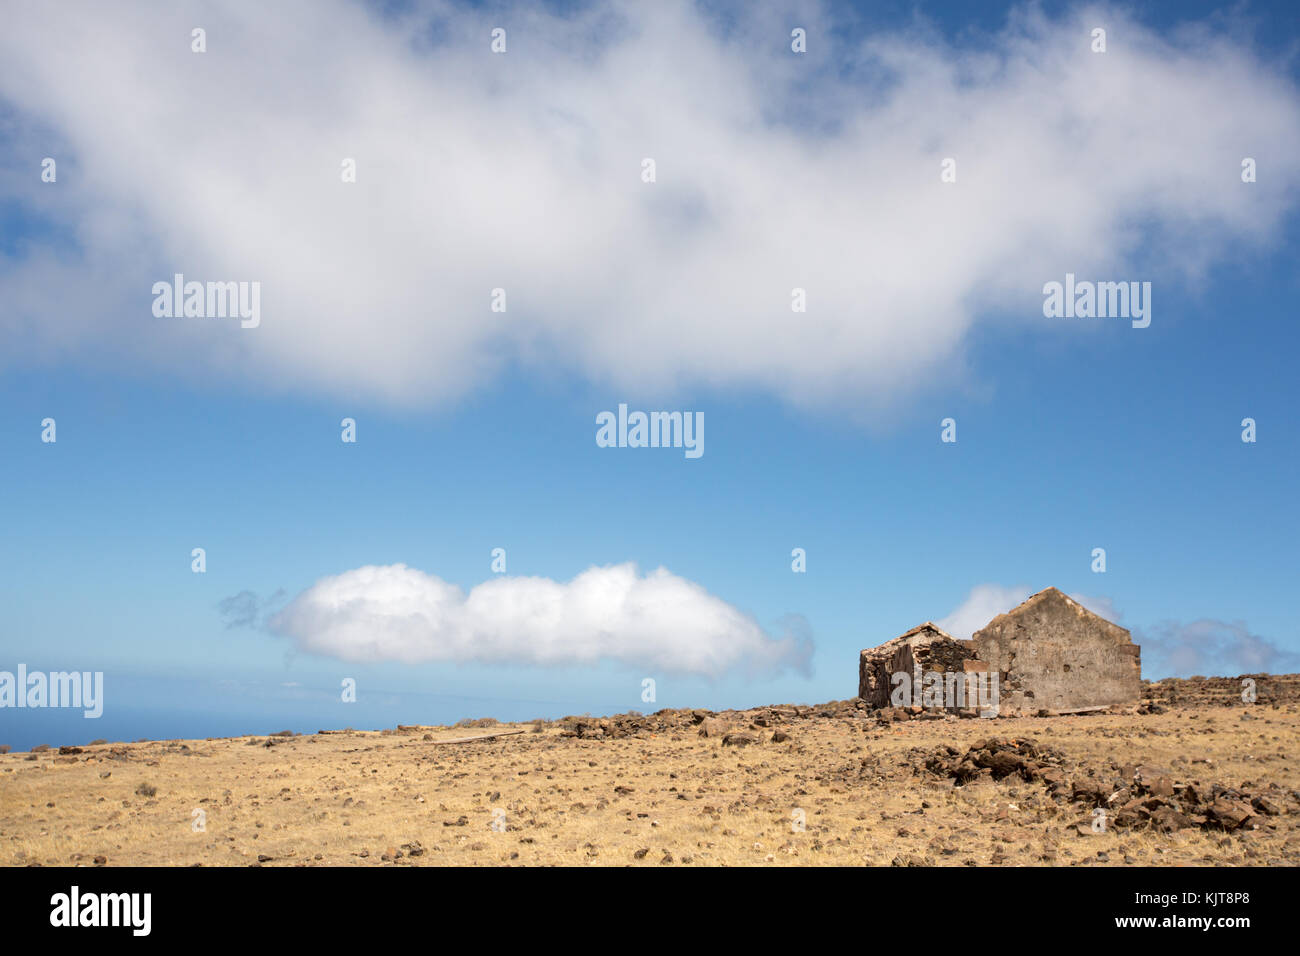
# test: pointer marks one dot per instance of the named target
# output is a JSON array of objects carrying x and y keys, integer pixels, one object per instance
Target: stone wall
[
  {"x": 1053, "y": 654},
  {"x": 921, "y": 650}
]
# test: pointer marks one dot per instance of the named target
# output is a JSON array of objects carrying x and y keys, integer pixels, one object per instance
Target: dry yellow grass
[{"x": 349, "y": 798}]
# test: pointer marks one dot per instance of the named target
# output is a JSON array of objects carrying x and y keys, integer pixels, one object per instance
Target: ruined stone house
[
  {"x": 1049, "y": 654},
  {"x": 924, "y": 648}
]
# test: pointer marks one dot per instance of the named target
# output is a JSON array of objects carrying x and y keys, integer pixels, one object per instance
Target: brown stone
[
  {"x": 1002, "y": 763},
  {"x": 1167, "y": 819},
  {"x": 1229, "y": 814},
  {"x": 1266, "y": 805},
  {"x": 712, "y": 727},
  {"x": 1089, "y": 792},
  {"x": 1161, "y": 787},
  {"x": 1054, "y": 779}
]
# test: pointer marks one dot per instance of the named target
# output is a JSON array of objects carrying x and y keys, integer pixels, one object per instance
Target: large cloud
[
  {"x": 521, "y": 171},
  {"x": 657, "y": 621}
]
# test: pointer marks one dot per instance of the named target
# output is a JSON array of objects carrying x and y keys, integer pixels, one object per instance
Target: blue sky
[{"x": 1072, "y": 434}]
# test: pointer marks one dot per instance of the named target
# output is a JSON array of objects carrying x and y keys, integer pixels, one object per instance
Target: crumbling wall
[
  {"x": 876, "y": 667},
  {"x": 1053, "y": 654},
  {"x": 922, "y": 650}
]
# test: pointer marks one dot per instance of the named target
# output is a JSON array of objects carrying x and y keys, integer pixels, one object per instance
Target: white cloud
[
  {"x": 1210, "y": 648},
  {"x": 983, "y": 604},
  {"x": 521, "y": 171},
  {"x": 1101, "y": 606},
  {"x": 657, "y": 621},
  {"x": 987, "y": 601}
]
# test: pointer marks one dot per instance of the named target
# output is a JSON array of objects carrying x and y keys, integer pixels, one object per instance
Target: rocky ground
[{"x": 1198, "y": 777}]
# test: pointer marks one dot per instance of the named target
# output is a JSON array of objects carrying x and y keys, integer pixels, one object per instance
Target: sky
[{"x": 503, "y": 267}]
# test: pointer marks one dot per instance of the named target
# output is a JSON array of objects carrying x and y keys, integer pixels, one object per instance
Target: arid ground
[{"x": 1200, "y": 778}]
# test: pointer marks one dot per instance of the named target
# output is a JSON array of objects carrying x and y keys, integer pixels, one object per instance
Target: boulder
[
  {"x": 1229, "y": 814},
  {"x": 712, "y": 727}
]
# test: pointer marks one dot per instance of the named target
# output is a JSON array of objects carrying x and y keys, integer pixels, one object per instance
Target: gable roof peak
[{"x": 927, "y": 626}]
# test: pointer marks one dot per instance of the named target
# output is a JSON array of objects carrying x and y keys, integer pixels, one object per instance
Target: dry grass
[{"x": 348, "y": 798}]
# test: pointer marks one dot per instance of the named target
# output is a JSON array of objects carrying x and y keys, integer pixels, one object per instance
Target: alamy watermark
[
  {"x": 948, "y": 690},
  {"x": 651, "y": 430},
  {"x": 75, "y": 908},
  {"x": 208, "y": 300},
  {"x": 56, "y": 689},
  {"x": 1098, "y": 300}
]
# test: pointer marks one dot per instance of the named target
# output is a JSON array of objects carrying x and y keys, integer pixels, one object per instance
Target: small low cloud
[
  {"x": 983, "y": 604},
  {"x": 658, "y": 621},
  {"x": 238, "y": 610},
  {"x": 1101, "y": 606},
  {"x": 246, "y": 608},
  {"x": 1211, "y": 648},
  {"x": 987, "y": 601}
]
